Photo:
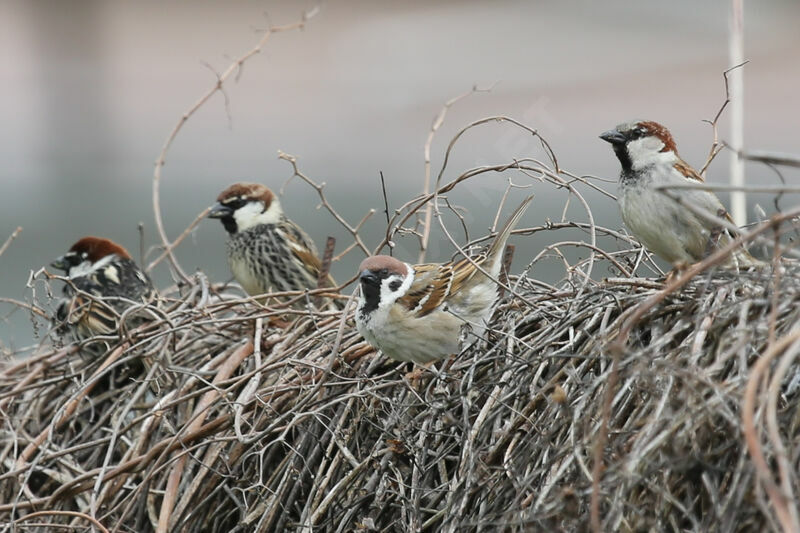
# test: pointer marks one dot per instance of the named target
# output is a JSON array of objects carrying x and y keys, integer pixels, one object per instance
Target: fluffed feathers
[
  {"x": 103, "y": 283},
  {"x": 417, "y": 312},
  {"x": 266, "y": 251},
  {"x": 649, "y": 158}
]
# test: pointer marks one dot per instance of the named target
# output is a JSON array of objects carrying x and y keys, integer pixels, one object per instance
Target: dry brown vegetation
[{"x": 613, "y": 402}]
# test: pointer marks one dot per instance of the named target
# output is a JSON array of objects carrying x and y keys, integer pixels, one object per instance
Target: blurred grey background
[{"x": 92, "y": 88}]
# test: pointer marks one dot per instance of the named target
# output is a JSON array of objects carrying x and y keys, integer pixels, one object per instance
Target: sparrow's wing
[
  {"x": 688, "y": 172},
  {"x": 297, "y": 237},
  {"x": 303, "y": 249},
  {"x": 433, "y": 284},
  {"x": 108, "y": 292},
  {"x": 709, "y": 202},
  {"x": 89, "y": 313},
  {"x": 706, "y": 199},
  {"x": 98, "y": 317},
  {"x": 430, "y": 282},
  {"x": 121, "y": 279}
]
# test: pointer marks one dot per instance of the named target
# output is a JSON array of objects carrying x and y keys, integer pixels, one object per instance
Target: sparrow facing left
[
  {"x": 266, "y": 251},
  {"x": 104, "y": 283},
  {"x": 649, "y": 158},
  {"x": 417, "y": 312}
]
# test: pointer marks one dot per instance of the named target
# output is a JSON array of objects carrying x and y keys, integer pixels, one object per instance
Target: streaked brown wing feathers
[
  {"x": 302, "y": 247},
  {"x": 691, "y": 174},
  {"x": 95, "y": 316},
  {"x": 307, "y": 258},
  {"x": 686, "y": 169},
  {"x": 426, "y": 278},
  {"x": 434, "y": 283}
]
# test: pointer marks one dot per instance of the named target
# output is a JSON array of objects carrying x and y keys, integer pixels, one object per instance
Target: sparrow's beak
[
  {"x": 370, "y": 278},
  {"x": 613, "y": 137},
  {"x": 220, "y": 211},
  {"x": 60, "y": 263}
]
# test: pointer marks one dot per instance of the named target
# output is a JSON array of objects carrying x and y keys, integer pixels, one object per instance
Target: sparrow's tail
[{"x": 495, "y": 253}]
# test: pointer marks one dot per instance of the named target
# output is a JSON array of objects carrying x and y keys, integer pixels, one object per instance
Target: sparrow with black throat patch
[
  {"x": 104, "y": 283},
  {"x": 417, "y": 312},
  {"x": 266, "y": 251},
  {"x": 659, "y": 219}
]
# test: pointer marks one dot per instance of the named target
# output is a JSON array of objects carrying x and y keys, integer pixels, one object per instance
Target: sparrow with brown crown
[
  {"x": 266, "y": 251},
  {"x": 104, "y": 283},
  {"x": 663, "y": 224},
  {"x": 417, "y": 312}
]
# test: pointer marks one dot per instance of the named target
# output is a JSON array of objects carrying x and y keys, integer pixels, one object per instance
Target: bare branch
[
  {"x": 426, "y": 186},
  {"x": 234, "y": 67},
  {"x": 10, "y": 239},
  {"x": 716, "y": 145}
]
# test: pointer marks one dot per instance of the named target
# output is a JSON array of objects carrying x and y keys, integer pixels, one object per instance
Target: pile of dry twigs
[
  {"x": 223, "y": 415},
  {"x": 623, "y": 403}
]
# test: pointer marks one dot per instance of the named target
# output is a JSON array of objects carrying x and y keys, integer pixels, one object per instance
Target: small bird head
[
  {"x": 383, "y": 280},
  {"x": 86, "y": 252},
  {"x": 641, "y": 143},
  {"x": 244, "y": 205}
]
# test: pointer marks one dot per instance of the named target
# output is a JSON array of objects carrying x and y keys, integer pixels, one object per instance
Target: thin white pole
[{"x": 736, "y": 50}]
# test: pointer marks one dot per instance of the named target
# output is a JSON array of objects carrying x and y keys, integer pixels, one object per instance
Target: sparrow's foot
[
  {"x": 426, "y": 371},
  {"x": 677, "y": 269},
  {"x": 416, "y": 376}
]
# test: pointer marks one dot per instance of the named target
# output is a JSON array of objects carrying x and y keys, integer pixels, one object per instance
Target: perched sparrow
[
  {"x": 416, "y": 312},
  {"x": 667, "y": 227},
  {"x": 266, "y": 250},
  {"x": 104, "y": 283}
]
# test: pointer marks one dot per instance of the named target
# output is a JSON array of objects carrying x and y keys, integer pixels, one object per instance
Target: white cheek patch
[
  {"x": 389, "y": 296},
  {"x": 86, "y": 268},
  {"x": 81, "y": 269},
  {"x": 253, "y": 214},
  {"x": 646, "y": 152},
  {"x": 246, "y": 215}
]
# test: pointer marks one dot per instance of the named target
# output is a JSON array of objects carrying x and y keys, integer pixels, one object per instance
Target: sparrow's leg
[
  {"x": 678, "y": 268},
  {"x": 415, "y": 376},
  {"x": 715, "y": 235}
]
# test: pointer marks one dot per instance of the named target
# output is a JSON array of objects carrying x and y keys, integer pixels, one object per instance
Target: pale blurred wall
[{"x": 91, "y": 89}]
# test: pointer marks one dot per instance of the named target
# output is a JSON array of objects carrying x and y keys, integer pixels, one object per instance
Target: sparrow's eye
[
  {"x": 383, "y": 273},
  {"x": 234, "y": 203}
]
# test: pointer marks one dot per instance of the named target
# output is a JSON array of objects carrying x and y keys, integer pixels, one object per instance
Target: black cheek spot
[
  {"x": 393, "y": 286},
  {"x": 229, "y": 223}
]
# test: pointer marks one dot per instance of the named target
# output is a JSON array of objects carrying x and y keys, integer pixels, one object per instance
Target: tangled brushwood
[
  {"x": 622, "y": 403},
  {"x": 308, "y": 429}
]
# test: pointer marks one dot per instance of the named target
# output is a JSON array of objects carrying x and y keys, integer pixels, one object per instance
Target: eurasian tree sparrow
[
  {"x": 266, "y": 251},
  {"x": 649, "y": 159},
  {"x": 104, "y": 283},
  {"x": 417, "y": 312}
]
